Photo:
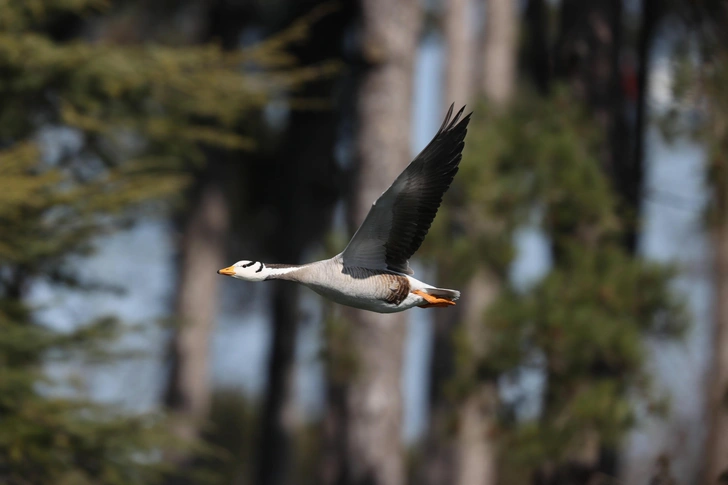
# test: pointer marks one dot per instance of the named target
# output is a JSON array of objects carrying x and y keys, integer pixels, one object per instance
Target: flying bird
[{"x": 373, "y": 272}]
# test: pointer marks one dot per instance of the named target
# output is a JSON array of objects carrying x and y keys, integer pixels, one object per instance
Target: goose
[{"x": 373, "y": 272}]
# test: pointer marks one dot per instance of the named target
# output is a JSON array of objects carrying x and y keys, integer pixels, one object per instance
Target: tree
[
  {"x": 477, "y": 414},
  {"x": 439, "y": 464},
  {"x": 700, "y": 84},
  {"x": 470, "y": 456},
  {"x": 587, "y": 58},
  {"x": 206, "y": 224},
  {"x": 143, "y": 116},
  {"x": 546, "y": 154},
  {"x": 299, "y": 183},
  {"x": 460, "y": 42},
  {"x": 372, "y": 398},
  {"x": 499, "y": 49},
  {"x": 583, "y": 324}
]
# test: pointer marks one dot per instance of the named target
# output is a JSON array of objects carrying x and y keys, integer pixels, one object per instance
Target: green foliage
[
  {"x": 584, "y": 324},
  {"x": 593, "y": 311},
  {"x": 700, "y": 90},
  {"x": 140, "y": 118},
  {"x": 18, "y": 16}
]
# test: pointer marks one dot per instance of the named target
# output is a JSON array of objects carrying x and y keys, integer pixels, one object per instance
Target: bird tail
[{"x": 451, "y": 295}]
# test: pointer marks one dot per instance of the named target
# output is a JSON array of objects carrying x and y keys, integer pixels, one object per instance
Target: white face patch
[{"x": 250, "y": 270}]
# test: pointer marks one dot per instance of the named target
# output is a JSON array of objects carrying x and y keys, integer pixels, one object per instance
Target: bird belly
[{"x": 366, "y": 300}]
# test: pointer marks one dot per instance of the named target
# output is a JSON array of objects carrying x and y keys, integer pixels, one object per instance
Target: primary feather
[{"x": 399, "y": 220}]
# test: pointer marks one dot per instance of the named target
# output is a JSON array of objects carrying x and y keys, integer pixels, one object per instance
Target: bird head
[{"x": 246, "y": 270}]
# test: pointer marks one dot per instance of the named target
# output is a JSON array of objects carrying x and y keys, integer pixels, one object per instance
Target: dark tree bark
[
  {"x": 538, "y": 45},
  {"x": 304, "y": 193},
  {"x": 588, "y": 59},
  {"x": 299, "y": 183}
]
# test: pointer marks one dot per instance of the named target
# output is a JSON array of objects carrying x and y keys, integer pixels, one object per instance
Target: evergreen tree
[
  {"x": 141, "y": 117},
  {"x": 583, "y": 325},
  {"x": 700, "y": 84}
]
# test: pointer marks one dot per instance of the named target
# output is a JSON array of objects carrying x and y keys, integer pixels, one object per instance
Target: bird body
[
  {"x": 374, "y": 290},
  {"x": 373, "y": 272}
]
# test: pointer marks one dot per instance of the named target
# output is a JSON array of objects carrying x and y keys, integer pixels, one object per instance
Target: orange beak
[{"x": 229, "y": 271}]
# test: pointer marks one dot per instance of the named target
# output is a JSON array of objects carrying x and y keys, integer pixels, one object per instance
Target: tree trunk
[
  {"x": 499, "y": 47},
  {"x": 477, "y": 414},
  {"x": 373, "y": 401},
  {"x": 274, "y": 454},
  {"x": 717, "y": 443},
  {"x": 587, "y": 58},
  {"x": 537, "y": 45},
  {"x": 476, "y": 450},
  {"x": 300, "y": 183},
  {"x": 460, "y": 46},
  {"x": 467, "y": 454},
  {"x": 203, "y": 250}
]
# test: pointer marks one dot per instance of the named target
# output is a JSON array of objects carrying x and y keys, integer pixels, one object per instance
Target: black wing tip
[
  {"x": 450, "y": 122},
  {"x": 446, "y": 121}
]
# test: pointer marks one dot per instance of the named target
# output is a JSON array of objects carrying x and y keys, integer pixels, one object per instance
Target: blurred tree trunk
[
  {"x": 301, "y": 183},
  {"x": 465, "y": 453},
  {"x": 476, "y": 449},
  {"x": 460, "y": 39},
  {"x": 716, "y": 466},
  {"x": 203, "y": 247},
  {"x": 500, "y": 39},
  {"x": 717, "y": 443},
  {"x": 373, "y": 403},
  {"x": 477, "y": 455},
  {"x": 587, "y": 58},
  {"x": 277, "y": 420},
  {"x": 477, "y": 452},
  {"x": 440, "y": 450},
  {"x": 636, "y": 87},
  {"x": 537, "y": 45}
]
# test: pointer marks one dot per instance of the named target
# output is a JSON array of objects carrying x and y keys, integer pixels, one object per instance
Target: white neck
[{"x": 283, "y": 273}]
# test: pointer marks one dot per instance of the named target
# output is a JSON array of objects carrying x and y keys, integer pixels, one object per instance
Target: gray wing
[{"x": 399, "y": 220}]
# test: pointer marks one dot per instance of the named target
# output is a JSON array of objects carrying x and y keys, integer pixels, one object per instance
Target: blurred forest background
[{"x": 146, "y": 144}]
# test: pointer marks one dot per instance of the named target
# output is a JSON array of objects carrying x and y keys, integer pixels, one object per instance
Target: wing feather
[{"x": 399, "y": 220}]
